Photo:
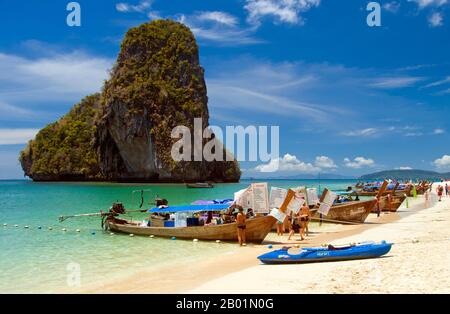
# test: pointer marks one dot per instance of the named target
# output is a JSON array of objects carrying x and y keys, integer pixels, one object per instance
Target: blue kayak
[{"x": 326, "y": 254}]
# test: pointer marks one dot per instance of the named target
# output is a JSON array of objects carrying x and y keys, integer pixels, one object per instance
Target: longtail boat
[
  {"x": 200, "y": 185},
  {"x": 396, "y": 190},
  {"x": 256, "y": 230},
  {"x": 389, "y": 203},
  {"x": 353, "y": 212}
]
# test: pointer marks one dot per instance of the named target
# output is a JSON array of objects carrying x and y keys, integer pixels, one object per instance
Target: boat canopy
[{"x": 189, "y": 208}]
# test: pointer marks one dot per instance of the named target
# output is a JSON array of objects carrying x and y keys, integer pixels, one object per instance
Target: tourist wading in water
[{"x": 240, "y": 219}]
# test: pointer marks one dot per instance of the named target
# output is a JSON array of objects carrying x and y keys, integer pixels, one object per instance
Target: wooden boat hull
[
  {"x": 199, "y": 185},
  {"x": 355, "y": 212},
  {"x": 396, "y": 193},
  {"x": 387, "y": 205},
  {"x": 256, "y": 230}
]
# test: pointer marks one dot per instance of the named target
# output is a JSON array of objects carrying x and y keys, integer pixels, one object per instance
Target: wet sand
[
  {"x": 210, "y": 274},
  {"x": 419, "y": 261}
]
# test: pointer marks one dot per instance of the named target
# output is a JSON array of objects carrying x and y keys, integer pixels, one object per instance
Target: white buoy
[
  {"x": 217, "y": 241},
  {"x": 195, "y": 240},
  {"x": 26, "y": 227},
  {"x": 151, "y": 236},
  {"x": 111, "y": 233},
  {"x": 16, "y": 225},
  {"x": 50, "y": 228},
  {"x": 64, "y": 229},
  {"x": 131, "y": 235},
  {"x": 78, "y": 230},
  {"x": 4, "y": 225}
]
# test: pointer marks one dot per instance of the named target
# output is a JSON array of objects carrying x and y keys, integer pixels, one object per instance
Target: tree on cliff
[{"x": 123, "y": 133}]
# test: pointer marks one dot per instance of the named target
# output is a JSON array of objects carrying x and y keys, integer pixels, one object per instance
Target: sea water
[{"x": 41, "y": 258}]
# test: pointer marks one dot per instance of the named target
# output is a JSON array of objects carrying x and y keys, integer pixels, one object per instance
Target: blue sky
[{"x": 348, "y": 98}]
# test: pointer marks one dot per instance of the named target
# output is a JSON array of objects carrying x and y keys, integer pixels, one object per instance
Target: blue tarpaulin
[
  {"x": 189, "y": 208},
  {"x": 228, "y": 201}
]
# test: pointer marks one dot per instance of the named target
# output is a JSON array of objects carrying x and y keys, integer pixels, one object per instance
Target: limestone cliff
[{"x": 156, "y": 84}]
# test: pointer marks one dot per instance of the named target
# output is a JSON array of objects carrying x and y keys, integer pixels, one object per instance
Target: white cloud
[
  {"x": 429, "y": 3},
  {"x": 413, "y": 134},
  {"x": 283, "y": 90},
  {"x": 438, "y": 131},
  {"x": 392, "y": 6},
  {"x": 387, "y": 130},
  {"x": 57, "y": 77},
  {"x": 284, "y": 11},
  {"x": 251, "y": 99},
  {"x": 218, "y": 17},
  {"x": 444, "y": 92},
  {"x": 141, "y": 7},
  {"x": 287, "y": 163},
  {"x": 361, "y": 133},
  {"x": 10, "y": 111},
  {"x": 438, "y": 83},
  {"x": 325, "y": 162},
  {"x": 16, "y": 136},
  {"x": 436, "y": 19},
  {"x": 359, "y": 162},
  {"x": 443, "y": 162},
  {"x": 395, "y": 82},
  {"x": 218, "y": 27}
]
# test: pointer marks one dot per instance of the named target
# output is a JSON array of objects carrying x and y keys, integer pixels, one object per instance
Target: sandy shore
[{"x": 418, "y": 262}]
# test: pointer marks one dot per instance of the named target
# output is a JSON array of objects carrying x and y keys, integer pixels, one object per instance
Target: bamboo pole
[{"x": 101, "y": 213}]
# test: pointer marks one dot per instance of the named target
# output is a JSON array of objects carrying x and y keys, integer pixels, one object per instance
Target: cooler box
[
  {"x": 169, "y": 223},
  {"x": 192, "y": 222}
]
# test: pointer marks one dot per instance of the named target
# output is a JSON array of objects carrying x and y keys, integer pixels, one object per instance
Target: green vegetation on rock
[
  {"x": 65, "y": 148},
  {"x": 124, "y": 133}
]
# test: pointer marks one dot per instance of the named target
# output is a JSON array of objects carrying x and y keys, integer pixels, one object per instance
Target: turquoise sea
[{"x": 36, "y": 259}]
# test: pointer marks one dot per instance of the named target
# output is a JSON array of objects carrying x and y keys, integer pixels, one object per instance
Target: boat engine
[
  {"x": 161, "y": 202},
  {"x": 117, "y": 209}
]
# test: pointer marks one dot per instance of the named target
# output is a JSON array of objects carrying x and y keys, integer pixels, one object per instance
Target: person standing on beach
[
  {"x": 295, "y": 226},
  {"x": 280, "y": 227},
  {"x": 440, "y": 191},
  {"x": 304, "y": 220},
  {"x": 240, "y": 219},
  {"x": 446, "y": 189}
]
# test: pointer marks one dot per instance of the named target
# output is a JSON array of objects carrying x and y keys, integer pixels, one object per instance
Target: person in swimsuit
[
  {"x": 304, "y": 220},
  {"x": 440, "y": 191},
  {"x": 280, "y": 227},
  {"x": 240, "y": 219},
  {"x": 295, "y": 226}
]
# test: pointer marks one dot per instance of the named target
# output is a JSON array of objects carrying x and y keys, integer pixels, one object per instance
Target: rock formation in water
[{"x": 124, "y": 133}]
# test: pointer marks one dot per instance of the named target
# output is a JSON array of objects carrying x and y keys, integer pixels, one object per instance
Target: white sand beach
[{"x": 419, "y": 262}]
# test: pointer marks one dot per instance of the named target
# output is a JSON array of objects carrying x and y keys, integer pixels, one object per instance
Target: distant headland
[{"x": 409, "y": 174}]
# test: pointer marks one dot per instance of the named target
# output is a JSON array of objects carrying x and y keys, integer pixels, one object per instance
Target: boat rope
[{"x": 337, "y": 221}]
